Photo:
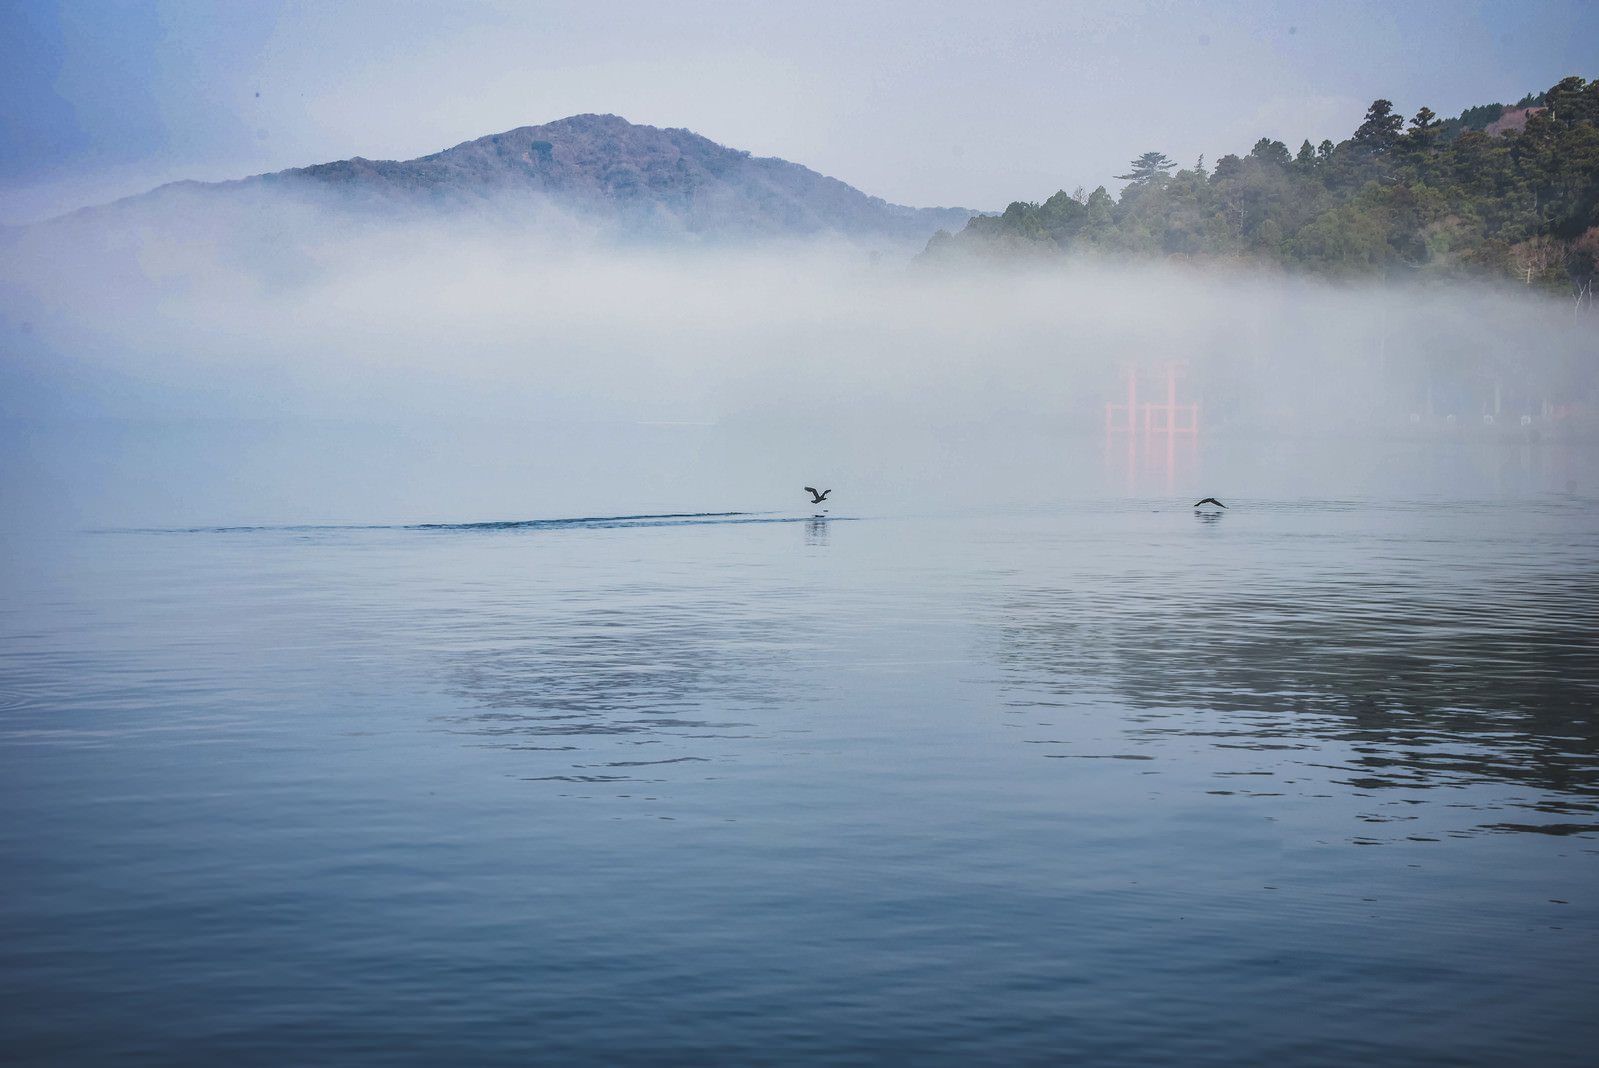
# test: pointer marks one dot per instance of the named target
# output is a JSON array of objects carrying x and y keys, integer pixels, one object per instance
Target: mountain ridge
[{"x": 633, "y": 180}]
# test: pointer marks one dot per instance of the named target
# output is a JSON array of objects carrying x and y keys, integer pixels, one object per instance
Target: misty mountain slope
[
  {"x": 649, "y": 179},
  {"x": 588, "y": 174}
]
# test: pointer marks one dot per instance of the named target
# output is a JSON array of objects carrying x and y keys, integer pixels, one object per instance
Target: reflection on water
[
  {"x": 1420, "y": 665},
  {"x": 596, "y": 683}
]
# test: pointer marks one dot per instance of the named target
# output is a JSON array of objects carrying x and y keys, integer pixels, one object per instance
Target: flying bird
[
  {"x": 1209, "y": 500},
  {"x": 817, "y": 498}
]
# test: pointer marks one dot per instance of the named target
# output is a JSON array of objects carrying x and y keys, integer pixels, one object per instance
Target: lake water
[{"x": 1308, "y": 782}]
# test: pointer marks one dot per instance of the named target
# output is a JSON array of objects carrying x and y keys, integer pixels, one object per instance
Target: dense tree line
[{"x": 1473, "y": 195}]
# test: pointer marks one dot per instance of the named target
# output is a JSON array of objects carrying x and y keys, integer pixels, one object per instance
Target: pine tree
[
  {"x": 1148, "y": 169},
  {"x": 1381, "y": 128}
]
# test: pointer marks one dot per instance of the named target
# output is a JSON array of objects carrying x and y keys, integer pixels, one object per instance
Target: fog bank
[{"x": 288, "y": 363}]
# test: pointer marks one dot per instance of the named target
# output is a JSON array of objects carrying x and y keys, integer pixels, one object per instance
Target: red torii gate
[
  {"x": 1169, "y": 420},
  {"x": 1173, "y": 418}
]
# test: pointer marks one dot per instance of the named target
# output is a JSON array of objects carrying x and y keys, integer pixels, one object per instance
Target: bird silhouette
[
  {"x": 817, "y": 498},
  {"x": 1209, "y": 500}
]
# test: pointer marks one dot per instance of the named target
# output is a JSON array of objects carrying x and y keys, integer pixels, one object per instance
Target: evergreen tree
[
  {"x": 1148, "y": 169},
  {"x": 1381, "y": 128},
  {"x": 1268, "y": 151},
  {"x": 1424, "y": 129}
]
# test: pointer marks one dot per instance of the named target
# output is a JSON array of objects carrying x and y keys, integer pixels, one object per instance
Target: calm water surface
[{"x": 1305, "y": 783}]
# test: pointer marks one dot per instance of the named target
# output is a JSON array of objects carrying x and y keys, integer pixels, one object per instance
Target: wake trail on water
[
  {"x": 611, "y": 522},
  {"x": 601, "y": 522}
]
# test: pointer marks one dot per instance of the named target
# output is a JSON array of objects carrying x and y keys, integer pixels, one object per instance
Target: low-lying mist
[{"x": 167, "y": 363}]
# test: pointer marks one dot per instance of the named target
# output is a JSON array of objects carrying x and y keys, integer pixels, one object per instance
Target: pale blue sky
[{"x": 922, "y": 103}]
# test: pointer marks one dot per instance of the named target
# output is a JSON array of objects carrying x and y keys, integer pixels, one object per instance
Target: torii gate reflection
[{"x": 1148, "y": 427}]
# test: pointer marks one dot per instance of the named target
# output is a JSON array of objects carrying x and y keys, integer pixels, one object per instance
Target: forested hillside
[{"x": 1510, "y": 192}]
